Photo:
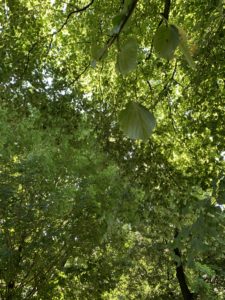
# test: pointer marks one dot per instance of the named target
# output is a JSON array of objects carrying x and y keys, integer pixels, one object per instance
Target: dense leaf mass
[{"x": 94, "y": 203}]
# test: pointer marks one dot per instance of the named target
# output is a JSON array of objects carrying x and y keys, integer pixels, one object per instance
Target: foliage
[{"x": 112, "y": 149}]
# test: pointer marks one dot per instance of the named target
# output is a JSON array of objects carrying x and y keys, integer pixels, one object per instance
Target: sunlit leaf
[
  {"x": 136, "y": 121},
  {"x": 185, "y": 49},
  {"x": 127, "y": 57},
  {"x": 166, "y": 41}
]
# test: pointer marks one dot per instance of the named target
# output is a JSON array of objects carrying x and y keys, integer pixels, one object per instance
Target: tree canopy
[{"x": 112, "y": 149}]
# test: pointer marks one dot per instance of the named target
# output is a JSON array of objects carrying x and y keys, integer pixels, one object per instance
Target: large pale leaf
[
  {"x": 166, "y": 41},
  {"x": 136, "y": 121},
  {"x": 185, "y": 49},
  {"x": 127, "y": 57}
]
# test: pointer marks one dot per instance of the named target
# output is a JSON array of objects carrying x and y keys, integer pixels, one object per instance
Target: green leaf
[
  {"x": 185, "y": 49},
  {"x": 166, "y": 41},
  {"x": 127, "y": 57},
  {"x": 136, "y": 121},
  {"x": 98, "y": 52},
  {"x": 117, "y": 21}
]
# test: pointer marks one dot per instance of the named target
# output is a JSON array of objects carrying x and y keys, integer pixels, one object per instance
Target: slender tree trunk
[
  {"x": 187, "y": 295},
  {"x": 10, "y": 289}
]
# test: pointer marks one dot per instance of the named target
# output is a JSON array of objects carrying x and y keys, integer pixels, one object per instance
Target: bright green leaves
[
  {"x": 166, "y": 41},
  {"x": 136, "y": 121},
  {"x": 127, "y": 57}
]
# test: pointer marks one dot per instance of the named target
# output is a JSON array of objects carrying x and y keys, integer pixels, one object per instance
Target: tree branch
[
  {"x": 72, "y": 13},
  {"x": 79, "y": 75},
  {"x": 166, "y": 9},
  {"x": 123, "y": 23},
  {"x": 78, "y": 10}
]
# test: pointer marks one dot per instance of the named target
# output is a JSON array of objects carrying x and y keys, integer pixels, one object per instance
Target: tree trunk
[{"x": 187, "y": 295}]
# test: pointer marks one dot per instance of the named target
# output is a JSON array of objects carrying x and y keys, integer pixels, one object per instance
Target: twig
[
  {"x": 79, "y": 10},
  {"x": 28, "y": 57},
  {"x": 79, "y": 75},
  {"x": 123, "y": 23}
]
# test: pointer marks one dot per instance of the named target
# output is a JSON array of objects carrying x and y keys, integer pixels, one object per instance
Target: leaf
[
  {"x": 98, "y": 53},
  {"x": 117, "y": 21},
  {"x": 127, "y": 57},
  {"x": 184, "y": 48},
  {"x": 166, "y": 41},
  {"x": 136, "y": 121}
]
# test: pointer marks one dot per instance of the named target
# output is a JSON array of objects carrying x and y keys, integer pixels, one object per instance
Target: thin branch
[
  {"x": 115, "y": 36},
  {"x": 171, "y": 116},
  {"x": 79, "y": 10},
  {"x": 151, "y": 48},
  {"x": 79, "y": 75},
  {"x": 166, "y": 86},
  {"x": 149, "y": 85},
  {"x": 166, "y": 11},
  {"x": 28, "y": 57}
]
